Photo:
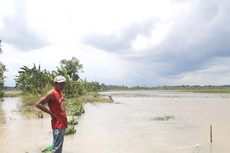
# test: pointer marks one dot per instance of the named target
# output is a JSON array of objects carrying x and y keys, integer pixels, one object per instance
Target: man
[{"x": 57, "y": 112}]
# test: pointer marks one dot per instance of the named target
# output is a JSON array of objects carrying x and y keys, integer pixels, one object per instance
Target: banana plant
[
  {"x": 70, "y": 82},
  {"x": 33, "y": 79}
]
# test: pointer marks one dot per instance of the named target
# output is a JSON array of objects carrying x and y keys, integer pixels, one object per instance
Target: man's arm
[{"x": 40, "y": 104}]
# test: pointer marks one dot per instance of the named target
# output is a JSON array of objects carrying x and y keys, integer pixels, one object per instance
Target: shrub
[{"x": 1, "y": 93}]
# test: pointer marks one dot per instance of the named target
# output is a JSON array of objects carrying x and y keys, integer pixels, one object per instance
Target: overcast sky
[{"x": 120, "y": 42}]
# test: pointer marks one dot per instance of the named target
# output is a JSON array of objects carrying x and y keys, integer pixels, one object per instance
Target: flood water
[{"x": 127, "y": 125}]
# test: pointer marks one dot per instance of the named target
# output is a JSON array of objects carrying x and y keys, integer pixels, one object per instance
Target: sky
[{"x": 120, "y": 42}]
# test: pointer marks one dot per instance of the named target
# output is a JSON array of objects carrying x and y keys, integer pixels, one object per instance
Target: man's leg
[{"x": 58, "y": 139}]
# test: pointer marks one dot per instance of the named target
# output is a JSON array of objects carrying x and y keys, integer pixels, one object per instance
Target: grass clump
[
  {"x": 28, "y": 109},
  {"x": 94, "y": 97},
  {"x": 164, "y": 118},
  {"x": 39, "y": 114}
]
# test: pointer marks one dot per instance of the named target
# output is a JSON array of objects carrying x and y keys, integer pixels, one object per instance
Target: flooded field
[{"x": 128, "y": 125}]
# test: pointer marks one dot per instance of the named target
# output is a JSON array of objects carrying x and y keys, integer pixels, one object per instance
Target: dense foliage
[
  {"x": 33, "y": 80},
  {"x": 2, "y": 70},
  {"x": 73, "y": 67}
]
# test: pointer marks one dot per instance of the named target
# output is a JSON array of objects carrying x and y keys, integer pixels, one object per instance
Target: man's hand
[
  {"x": 54, "y": 117},
  {"x": 40, "y": 104}
]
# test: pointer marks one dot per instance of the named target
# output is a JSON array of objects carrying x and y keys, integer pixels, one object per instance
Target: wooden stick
[
  {"x": 26, "y": 115},
  {"x": 211, "y": 133}
]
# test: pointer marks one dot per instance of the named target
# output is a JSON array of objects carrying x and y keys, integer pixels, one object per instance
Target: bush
[{"x": 1, "y": 93}]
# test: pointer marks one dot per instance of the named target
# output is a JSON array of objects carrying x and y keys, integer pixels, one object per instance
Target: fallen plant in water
[
  {"x": 39, "y": 114},
  {"x": 161, "y": 118},
  {"x": 75, "y": 107},
  {"x": 70, "y": 130},
  {"x": 72, "y": 121}
]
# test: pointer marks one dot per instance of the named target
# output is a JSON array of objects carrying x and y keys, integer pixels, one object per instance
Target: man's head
[{"x": 59, "y": 83}]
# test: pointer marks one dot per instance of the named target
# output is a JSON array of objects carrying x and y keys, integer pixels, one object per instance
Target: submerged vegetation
[
  {"x": 75, "y": 107},
  {"x": 72, "y": 121},
  {"x": 163, "y": 118},
  {"x": 70, "y": 130}
]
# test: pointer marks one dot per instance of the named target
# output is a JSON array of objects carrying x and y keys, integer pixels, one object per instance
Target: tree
[
  {"x": 33, "y": 80},
  {"x": 2, "y": 70},
  {"x": 72, "y": 87},
  {"x": 73, "y": 67},
  {"x": 0, "y": 46},
  {"x": 2, "y": 77}
]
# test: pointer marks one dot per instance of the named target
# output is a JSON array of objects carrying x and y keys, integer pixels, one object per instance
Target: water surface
[{"x": 127, "y": 125}]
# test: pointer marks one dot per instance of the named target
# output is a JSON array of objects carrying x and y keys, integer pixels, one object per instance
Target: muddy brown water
[{"x": 127, "y": 125}]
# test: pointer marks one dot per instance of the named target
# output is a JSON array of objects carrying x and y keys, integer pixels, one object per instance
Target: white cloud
[
  {"x": 120, "y": 42},
  {"x": 135, "y": 73}
]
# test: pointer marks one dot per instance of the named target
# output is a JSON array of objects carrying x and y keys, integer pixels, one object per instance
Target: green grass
[
  {"x": 12, "y": 93},
  {"x": 28, "y": 109},
  {"x": 212, "y": 91},
  {"x": 12, "y": 90},
  {"x": 94, "y": 97}
]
